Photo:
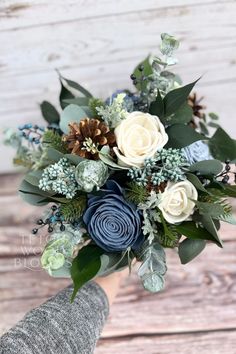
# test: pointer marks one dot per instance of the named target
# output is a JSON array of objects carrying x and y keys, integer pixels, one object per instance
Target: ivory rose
[
  {"x": 175, "y": 202},
  {"x": 138, "y": 137}
]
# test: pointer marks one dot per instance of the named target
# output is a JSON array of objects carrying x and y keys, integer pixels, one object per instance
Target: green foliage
[
  {"x": 191, "y": 231},
  {"x": 181, "y": 135},
  {"x": 147, "y": 70},
  {"x": 76, "y": 86},
  {"x": 49, "y": 112},
  {"x": 196, "y": 182},
  {"x": 136, "y": 194},
  {"x": 176, "y": 98},
  {"x": 85, "y": 266},
  {"x": 95, "y": 103},
  {"x": 157, "y": 106},
  {"x": 72, "y": 211},
  {"x": 207, "y": 167},
  {"x": 54, "y": 140},
  {"x": 222, "y": 146},
  {"x": 71, "y": 113},
  {"x": 114, "y": 113},
  {"x": 182, "y": 115},
  {"x": 169, "y": 236},
  {"x": 153, "y": 267},
  {"x": 104, "y": 155},
  {"x": 189, "y": 249}
]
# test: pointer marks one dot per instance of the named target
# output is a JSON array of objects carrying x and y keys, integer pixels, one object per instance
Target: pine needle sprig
[
  {"x": 72, "y": 211},
  {"x": 136, "y": 194},
  {"x": 54, "y": 140}
]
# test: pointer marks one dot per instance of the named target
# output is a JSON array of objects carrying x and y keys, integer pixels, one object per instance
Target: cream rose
[
  {"x": 175, "y": 202},
  {"x": 138, "y": 137}
]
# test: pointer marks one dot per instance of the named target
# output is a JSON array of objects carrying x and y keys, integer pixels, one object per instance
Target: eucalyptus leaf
[
  {"x": 207, "y": 167},
  {"x": 33, "y": 177},
  {"x": 181, "y": 135},
  {"x": 85, "y": 266},
  {"x": 212, "y": 209},
  {"x": 54, "y": 155},
  {"x": 108, "y": 160},
  {"x": 70, "y": 114},
  {"x": 176, "y": 98},
  {"x": 213, "y": 116},
  {"x": 189, "y": 249},
  {"x": 111, "y": 262},
  {"x": 49, "y": 112}
]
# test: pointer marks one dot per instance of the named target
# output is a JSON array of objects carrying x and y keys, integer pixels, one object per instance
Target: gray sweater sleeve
[{"x": 57, "y": 326}]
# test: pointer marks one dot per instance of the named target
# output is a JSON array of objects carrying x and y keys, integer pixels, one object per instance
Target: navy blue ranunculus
[{"x": 113, "y": 223}]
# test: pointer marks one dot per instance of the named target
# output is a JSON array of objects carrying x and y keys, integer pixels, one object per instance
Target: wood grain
[{"x": 218, "y": 342}]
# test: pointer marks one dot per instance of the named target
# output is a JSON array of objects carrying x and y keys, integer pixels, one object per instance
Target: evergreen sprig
[
  {"x": 136, "y": 194},
  {"x": 72, "y": 211},
  {"x": 53, "y": 139}
]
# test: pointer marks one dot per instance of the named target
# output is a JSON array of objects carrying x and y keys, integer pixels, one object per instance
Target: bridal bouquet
[{"x": 128, "y": 176}]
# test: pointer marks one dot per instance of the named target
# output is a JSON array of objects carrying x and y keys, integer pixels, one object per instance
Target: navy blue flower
[{"x": 112, "y": 222}]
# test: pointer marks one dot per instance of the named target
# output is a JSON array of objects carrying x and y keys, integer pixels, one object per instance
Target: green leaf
[
  {"x": 209, "y": 225},
  {"x": 32, "y": 194},
  {"x": 64, "y": 95},
  {"x": 189, "y": 249},
  {"x": 85, "y": 266},
  {"x": 183, "y": 115},
  {"x": 176, "y": 98},
  {"x": 79, "y": 101},
  {"x": 207, "y": 167},
  {"x": 203, "y": 128},
  {"x": 181, "y": 135},
  {"x": 213, "y": 125},
  {"x": 72, "y": 211},
  {"x": 211, "y": 209},
  {"x": 33, "y": 177},
  {"x": 77, "y": 87},
  {"x": 213, "y": 116},
  {"x": 108, "y": 160},
  {"x": 157, "y": 107},
  {"x": 229, "y": 218},
  {"x": 111, "y": 262},
  {"x": 71, "y": 113},
  {"x": 196, "y": 182},
  {"x": 49, "y": 112},
  {"x": 54, "y": 140},
  {"x": 191, "y": 231},
  {"x": 229, "y": 190},
  {"x": 54, "y": 155},
  {"x": 146, "y": 72},
  {"x": 222, "y": 146}
]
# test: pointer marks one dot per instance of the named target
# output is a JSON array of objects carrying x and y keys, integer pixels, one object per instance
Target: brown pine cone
[{"x": 87, "y": 137}]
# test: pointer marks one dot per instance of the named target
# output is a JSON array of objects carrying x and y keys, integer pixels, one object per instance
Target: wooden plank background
[
  {"x": 98, "y": 43},
  {"x": 195, "y": 313}
]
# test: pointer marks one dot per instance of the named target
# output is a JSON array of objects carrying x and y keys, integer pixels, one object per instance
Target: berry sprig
[
  {"x": 54, "y": 217},
  {"x": 31, "y": 133},
  {"x": 225, "y": 174}
]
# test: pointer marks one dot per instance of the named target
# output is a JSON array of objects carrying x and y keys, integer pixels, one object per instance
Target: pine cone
[{"x": 87, "y": 137}]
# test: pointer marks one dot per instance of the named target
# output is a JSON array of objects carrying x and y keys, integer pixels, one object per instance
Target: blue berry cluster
[
  {"x": 60, "y": 178},
  {"x": 55, "y": 217},
  {"x": 166, "y": 165},
  {"x": 31, "y": 133}
]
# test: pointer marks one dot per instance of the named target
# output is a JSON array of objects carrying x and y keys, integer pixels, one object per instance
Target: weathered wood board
[
  {"x": 98, "y": 43},
  {"x": 195, "y": 313}
]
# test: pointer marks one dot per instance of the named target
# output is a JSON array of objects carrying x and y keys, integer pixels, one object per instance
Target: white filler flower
[
  {"x": 175, "y": 202},
  {"x": 138, "y": 137}
]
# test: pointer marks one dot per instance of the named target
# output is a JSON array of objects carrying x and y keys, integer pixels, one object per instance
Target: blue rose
[{"x": 112, "y": 222}]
